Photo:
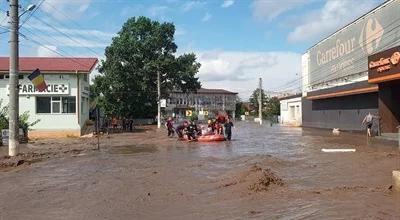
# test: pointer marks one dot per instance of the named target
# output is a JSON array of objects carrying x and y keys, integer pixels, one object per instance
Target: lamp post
[{"x": 13, "y": 148}]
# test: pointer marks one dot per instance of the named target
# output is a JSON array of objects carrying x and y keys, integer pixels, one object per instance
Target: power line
[
  {"x": 74, "y": 59},
  {"x": 31, "y": 13},
  {"x": 69, "y": 18},
  {"x": 357, "y": 63},
  {"x": 340, "y": 59},
  {"x": 66, "y": 35}
]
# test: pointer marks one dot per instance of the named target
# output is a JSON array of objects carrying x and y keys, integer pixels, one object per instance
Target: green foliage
[
  {"x": 3, "y": 116},
  {"x": 254, "y": 99},
  {"x": 127, "y": 84},
  {"x": 240, "y": 108},
  {"x": 194, "y": 116},
  {"x": 273, "y": 106},
  {"x": 24, "y": 123},
  {"x": 270, "y": 105}
]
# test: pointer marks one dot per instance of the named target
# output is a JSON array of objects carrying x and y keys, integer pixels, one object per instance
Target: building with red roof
[{"x": 63, "y": 108}]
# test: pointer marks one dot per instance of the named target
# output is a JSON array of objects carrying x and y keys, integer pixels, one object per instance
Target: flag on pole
[{"x": 38, "y": 80}]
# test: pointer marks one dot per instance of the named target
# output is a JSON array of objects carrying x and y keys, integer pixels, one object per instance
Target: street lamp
[{"x": 29, "y": 8}]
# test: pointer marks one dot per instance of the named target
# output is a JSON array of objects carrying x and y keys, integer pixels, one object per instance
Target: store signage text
[
  {"x": 339, "y": 50},
  {"x": 385, "y": 64},
  {"x": 52, "y": 89}
]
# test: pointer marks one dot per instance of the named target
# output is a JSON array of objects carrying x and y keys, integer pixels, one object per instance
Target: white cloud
[
  {"x": 333, "y": 15},
  {"x": 191, "y": 5},
  {"x": 227, "y": 3},
  {"x": 66, "y": 9},
  {"x": 270, "y": 9},
  {"x": 239, "y": 71},
  {"x": 47, "y": 51},
  {"x": 206, "y": 17}
]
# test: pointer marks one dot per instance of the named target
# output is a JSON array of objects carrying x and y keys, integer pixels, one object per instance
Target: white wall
[
  {"x": 305, "y": 59},
  {"x": 51, "y": 121},
  {"x": 291, "y": 114}
]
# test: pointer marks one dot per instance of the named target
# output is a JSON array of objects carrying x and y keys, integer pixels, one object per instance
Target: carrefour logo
[{"x": 371, "y": 36}]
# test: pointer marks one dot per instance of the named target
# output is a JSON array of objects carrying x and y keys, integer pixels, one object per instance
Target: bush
[{"x": 24, "y": 123}]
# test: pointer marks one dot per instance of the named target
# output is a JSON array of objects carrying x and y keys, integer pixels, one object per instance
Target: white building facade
[
  {"x": 291, "y": 114},
  {"x": 63, "y": 108}
]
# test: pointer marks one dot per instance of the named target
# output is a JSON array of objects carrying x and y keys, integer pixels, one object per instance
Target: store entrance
[{"x": 389, "y": 106}]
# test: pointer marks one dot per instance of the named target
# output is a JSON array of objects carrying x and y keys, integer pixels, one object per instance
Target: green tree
[
  {"x": 254, "y": 99},
  {"x": 240, "y": 108},
  {"x": 128, "y": 75},
  {"x": 272, "y": 109},
  {"x": 273, "y": 106}
]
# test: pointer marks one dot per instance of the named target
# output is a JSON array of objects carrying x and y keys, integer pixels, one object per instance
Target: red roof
[{"x": 51, "y": 64}]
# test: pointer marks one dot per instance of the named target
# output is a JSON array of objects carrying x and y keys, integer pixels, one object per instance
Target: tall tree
[
  {"x": 270, "y": 105},
  {"x": 254, "y": 99},
  {"x": 128, "y": 76}
]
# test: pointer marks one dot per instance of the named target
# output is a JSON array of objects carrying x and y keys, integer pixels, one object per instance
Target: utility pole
[
  {"x": 260, "y": 101},
  {"x": 13, "y": 148},
  {"x": 158, "y": 101}
]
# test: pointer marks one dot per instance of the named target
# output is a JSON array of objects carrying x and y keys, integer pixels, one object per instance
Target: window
[
  {"x": 20, "y": 76},
  {"x": 69, "y": 105},
  {"x": 56, "y": 105},
  {"x": 1, "y": 76},
  {"x": 43, "y": 105}
]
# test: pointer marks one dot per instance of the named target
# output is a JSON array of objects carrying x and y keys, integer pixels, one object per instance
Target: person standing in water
[
  {"x": 368, "y": 122},
  {"x": 170, "y": 126},
  {"x": 228, "y": 129}
]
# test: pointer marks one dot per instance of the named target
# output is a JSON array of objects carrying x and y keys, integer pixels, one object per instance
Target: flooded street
[{"x": 263, "y": 173}]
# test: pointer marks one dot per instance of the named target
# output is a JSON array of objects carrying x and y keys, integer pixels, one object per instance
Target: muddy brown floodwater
[{"x": 263, "y": 173}]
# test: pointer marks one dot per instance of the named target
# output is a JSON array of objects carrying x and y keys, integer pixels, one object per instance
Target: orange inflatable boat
[
  {"x": 206, "y": 138},
  {"x": 211, "y": 138}
]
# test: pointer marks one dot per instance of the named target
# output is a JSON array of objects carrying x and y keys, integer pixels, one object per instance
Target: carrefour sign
[
  {"x": 346, "y": 52},
  {"x": 52, "y": 89}
]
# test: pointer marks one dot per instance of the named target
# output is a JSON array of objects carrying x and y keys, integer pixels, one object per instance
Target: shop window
[
  {"x": 69, "y": 104},
  {"x": 43, "y": 105},
  {"x": 56, "y": 105},
  {"x": 20, "y": 76}
]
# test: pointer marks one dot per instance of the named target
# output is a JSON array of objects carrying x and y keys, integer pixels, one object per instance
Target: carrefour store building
[
  {"x": 64, "y": 107},
  {"x": 340, "y": 86}
]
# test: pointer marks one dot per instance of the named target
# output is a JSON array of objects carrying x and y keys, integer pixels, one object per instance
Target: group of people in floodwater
[{"x": 217, "y": 126}]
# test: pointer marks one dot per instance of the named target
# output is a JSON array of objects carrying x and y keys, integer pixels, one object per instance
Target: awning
[{"x": 345, "y": 90}]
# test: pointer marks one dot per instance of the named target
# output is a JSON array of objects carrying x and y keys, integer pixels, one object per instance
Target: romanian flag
[{"x": 38, "y": 80}]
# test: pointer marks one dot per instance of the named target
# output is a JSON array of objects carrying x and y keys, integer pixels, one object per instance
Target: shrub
[{"x": 24, "y": 123}]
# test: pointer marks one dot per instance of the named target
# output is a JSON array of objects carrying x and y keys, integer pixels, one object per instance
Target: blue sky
[{"x": 236, "y": 41}]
